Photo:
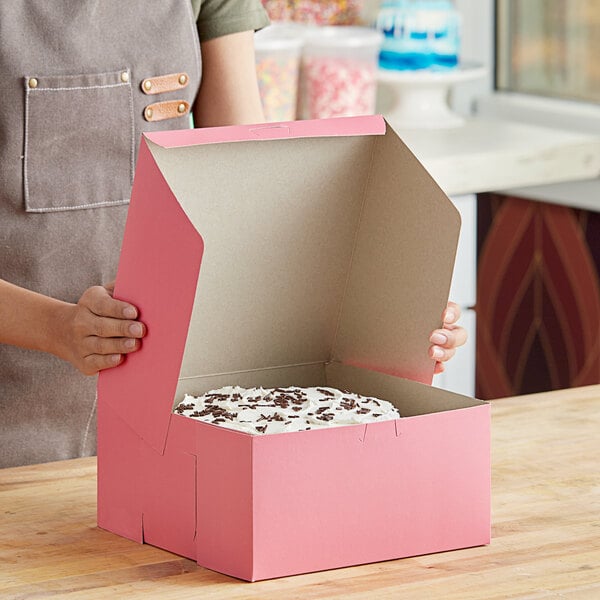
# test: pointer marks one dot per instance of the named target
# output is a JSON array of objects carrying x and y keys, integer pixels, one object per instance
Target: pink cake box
[{"x": 303, "y": 253}]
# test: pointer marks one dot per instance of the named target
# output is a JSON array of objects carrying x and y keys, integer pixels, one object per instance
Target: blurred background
[{"x": 500, "y": 102}]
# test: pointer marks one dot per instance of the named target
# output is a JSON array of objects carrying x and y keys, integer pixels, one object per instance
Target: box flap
[
  {"x": 333, "y": 243},
  {"x": 401, "y": 267},
  {"x": 343, "y": 126},
  {"x": 158, "y": 271}
]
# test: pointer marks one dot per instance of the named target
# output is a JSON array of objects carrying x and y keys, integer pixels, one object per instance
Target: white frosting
[{"x": 278, "y": 410}]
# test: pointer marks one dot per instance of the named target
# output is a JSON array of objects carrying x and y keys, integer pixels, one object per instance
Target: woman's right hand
[{"x": 98, "y": 331}]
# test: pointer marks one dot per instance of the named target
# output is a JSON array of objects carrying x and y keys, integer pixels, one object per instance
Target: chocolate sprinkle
[{"x": 277, "y": 410}]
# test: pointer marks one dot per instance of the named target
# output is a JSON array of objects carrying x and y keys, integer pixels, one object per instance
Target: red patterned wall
[{"x": 538, "y": 297}]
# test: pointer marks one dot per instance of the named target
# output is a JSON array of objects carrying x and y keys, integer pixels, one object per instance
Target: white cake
[{"x": 279, "y": 410}]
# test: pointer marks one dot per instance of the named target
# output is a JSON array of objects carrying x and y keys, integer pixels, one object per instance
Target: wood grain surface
[{"x": 545, "y": 539}]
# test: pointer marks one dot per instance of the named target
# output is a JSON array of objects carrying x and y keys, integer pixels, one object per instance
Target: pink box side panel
[
  {"x": 169, "y": 491},
  {"x": 119, "y": 501},
  {"x": 224, "y": 495},
  {"x": 341, "y": 126},
  {"x": 361, "y": 494},
  {"x": 158, "y": 271}
]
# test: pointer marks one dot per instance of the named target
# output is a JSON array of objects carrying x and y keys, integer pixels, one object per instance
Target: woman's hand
[
  {"x": 445, "y": 341},
  {"x": 98, "y": 331}
]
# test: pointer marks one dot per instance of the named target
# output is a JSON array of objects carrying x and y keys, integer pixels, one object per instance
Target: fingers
[
  {"x": 110, "y": 287},
  {"x": 441, "y": 354},
  {"x": 449, "y": 338},
  {"x": 114, "y": 328},
  {"x": 112, "y": 340},
  {"x": 99, "y": 331},
  {"x": 451, "y": 313},
  {"x": 106, "y": 317},
  {"x": 446, "y": 340},
  {"x": 97, "y": 362},
  {"x": 104, "y": 353},
  {"x": 98, "y": 300},
  {"x": 100, "y": 345},
  {"x": 99, "y": 353}
]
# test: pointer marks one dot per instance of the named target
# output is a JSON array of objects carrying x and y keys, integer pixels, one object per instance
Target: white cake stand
[{"x": 419, "y": 99}]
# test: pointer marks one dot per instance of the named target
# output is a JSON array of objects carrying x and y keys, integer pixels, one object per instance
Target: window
[{"x": 549, "y": 48}]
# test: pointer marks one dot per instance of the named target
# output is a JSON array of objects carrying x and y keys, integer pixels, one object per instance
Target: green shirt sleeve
[{"x": 216, "y": 18}]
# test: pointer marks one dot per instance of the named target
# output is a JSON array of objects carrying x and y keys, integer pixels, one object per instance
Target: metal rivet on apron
[
  {"x": 33, "y": 83},
  {"x": 181, "y": 108},
  {"x": 182, "y": 79},
  {"x": 125, "y": 77},
  {"x": 148, "y": 112},
  {"x": 147, "y": 85}
]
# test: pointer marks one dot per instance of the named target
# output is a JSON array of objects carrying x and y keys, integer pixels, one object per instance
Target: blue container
[{"x": 419, "y": 34}]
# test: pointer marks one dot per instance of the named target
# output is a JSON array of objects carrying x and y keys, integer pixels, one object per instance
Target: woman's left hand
[{"x": 446, "y": 340}]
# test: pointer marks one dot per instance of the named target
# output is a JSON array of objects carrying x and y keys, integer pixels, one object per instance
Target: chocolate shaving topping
[
  {"x": 231, "y": 408},
  {"x": 326, "y": 392},
  {"x": 348, "y": 403},
  {"x": 270, "y": 418},
  {"x": 326, "y": 417}
]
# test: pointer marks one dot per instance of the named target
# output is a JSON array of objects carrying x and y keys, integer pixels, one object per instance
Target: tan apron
[{"x": 73, "y": 102}]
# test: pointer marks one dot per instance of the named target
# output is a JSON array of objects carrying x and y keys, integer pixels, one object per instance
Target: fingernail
[
  {"x": 129, "y": 312},
  {"x": 437, "y": 353},
  {"x": 129, "y": 343},
  {"x": 136, "y": 329},
  {"x": 438, "y": 338},
  {"x": 115, "y": 358},
  {"x": 450, "y": 316}
]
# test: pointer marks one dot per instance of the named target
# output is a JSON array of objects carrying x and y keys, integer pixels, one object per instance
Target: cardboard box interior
[
  {"x": 411, "y": 398},
  {"x": 338, "y": 252}
]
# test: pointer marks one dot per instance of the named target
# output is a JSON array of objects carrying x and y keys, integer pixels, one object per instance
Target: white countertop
[{"x": 488, "y": 155}]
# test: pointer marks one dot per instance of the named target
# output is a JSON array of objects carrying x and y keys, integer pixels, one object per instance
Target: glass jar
[
  {"x": 339, "y": 72},
  {"x": 278, "y": 50}
]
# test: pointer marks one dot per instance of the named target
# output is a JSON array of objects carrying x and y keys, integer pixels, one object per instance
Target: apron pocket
[{"x": 79, "y": 141}]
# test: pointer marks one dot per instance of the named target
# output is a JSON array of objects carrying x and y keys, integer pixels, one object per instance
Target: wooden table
[{"x": 546, "y": 532}]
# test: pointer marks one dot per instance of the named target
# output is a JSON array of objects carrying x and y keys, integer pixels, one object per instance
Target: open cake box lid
[{"x": 254, "y": 248}]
